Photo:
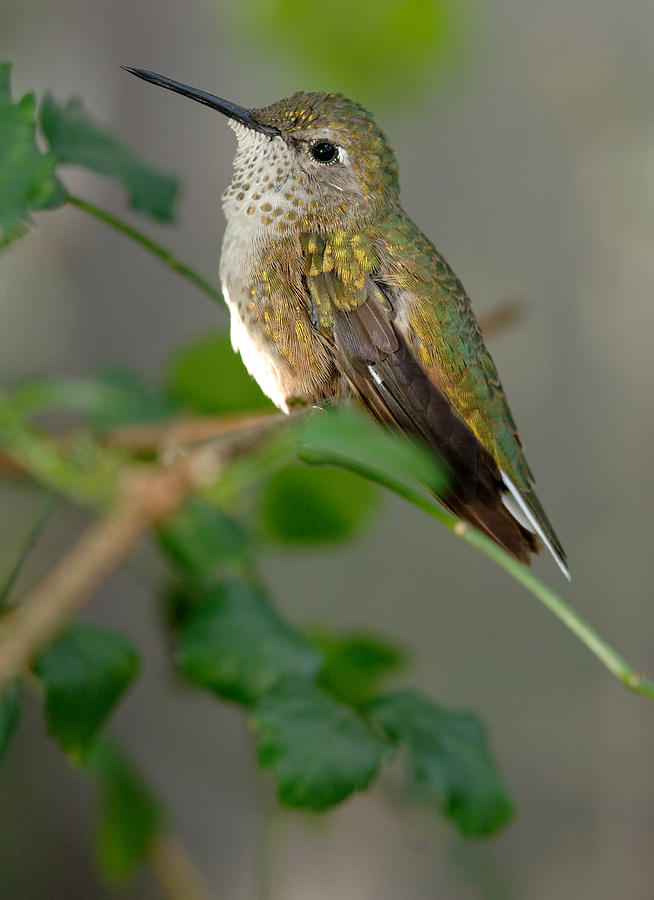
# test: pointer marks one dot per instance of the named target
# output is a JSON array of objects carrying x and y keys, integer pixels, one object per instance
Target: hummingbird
[{"x": 334, "y": 292}]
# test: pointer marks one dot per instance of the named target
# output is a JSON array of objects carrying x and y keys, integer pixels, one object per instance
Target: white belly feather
[{"x": 258, "y": 363}]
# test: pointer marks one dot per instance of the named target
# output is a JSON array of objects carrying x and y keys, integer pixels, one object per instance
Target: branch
[
  {"x": 156, "y": 438},
  {"x": 166, "y": 257},
  {"x": 146, "y": 497},
  {"x": 631, "y": 678},
  {"x": 175, "y": 871},
  {"x": 26, "y": 545}
]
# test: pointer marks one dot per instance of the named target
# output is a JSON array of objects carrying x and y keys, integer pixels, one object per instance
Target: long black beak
[{"x": 239, "y": 113}]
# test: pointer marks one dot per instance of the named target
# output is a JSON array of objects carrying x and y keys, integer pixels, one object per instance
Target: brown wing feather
[{"x": 395, "y": 388}]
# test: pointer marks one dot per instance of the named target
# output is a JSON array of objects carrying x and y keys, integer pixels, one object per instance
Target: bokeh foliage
[
  {"x": 27, "y": 179},
  {"x": 373, "y": 51}
]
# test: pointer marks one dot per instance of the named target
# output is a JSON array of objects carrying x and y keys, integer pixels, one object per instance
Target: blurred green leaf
[
  {"x": 355, "y": 664},
  {"x": 374, "y": 49},
  {"x": 85, "y": 671},
  {"x": 130, "y": 817},
  {"x": 234, "y": 644},
  {"x": 27, "y": 179},
  {"x": 9, "y": 715},
  {"x": 346, "y": 437},
  {"x": 320, "y": 750},
  {"x": 449, "y": 759},
  {"x": 303, "y": 505},
  {"x": 130, "y": 399},
  {"x": 82, "y": 469},
  {"x": 201, "y": 539},
  {"x": 208, "y": 377},
  {"x": 79, "y": 395},
  {"x": 73, "y": 137},
  {"x": 114, "y": 397}
]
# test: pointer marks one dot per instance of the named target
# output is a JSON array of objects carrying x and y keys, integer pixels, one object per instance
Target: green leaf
[
  {"x": 9, "y": 715},
  {"x": 346, "y": 437},
  {"x": 320, "y": 750},
  {"x": 85, "y": 671},
  {"x": 201, "y": 539},
  {"x": 27, "y": 179},
  {"x": 234, "y": 644},
  {"x": 45, "y": 394},
  {"x": 116, "y": 397},
  {"x": 208, "y": 377},
  {"x": 449, "y": 759},
  {"x": 131, "y": 399},
  {"x": 355, "y": 664},
  {"x": 301, "y": 505},
  {"x": 73, "y": 137},
  {"x": 130, "y": 817},
  {"x": 369, "y": 48},
  {"x": 82, "y": 469}
]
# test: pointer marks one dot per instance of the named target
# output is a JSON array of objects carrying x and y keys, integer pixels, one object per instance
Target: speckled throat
[
  {"x": 261, "y": 264},
  {"x": 267, "y": 193}
]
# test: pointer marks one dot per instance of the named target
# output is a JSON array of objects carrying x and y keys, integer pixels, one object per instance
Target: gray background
[{"x": 531, "y": 165}]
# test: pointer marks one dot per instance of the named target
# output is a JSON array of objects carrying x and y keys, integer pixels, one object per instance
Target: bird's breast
[{"x": 270, "y": 319}]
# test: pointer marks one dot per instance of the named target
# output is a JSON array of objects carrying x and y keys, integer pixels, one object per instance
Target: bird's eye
[{"x": 324, "y": 151}]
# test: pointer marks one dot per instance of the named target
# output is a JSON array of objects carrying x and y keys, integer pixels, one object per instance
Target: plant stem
[
  {"x": 631, "y": 678},
  {"x": 166, "y": 257},
  {"x": 176, "y": 872},
  {"x": 25, "y": 546},
  {"x": 267, "y": 834}
]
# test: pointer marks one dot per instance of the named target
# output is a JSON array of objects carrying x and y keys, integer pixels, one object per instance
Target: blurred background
[{"x": 525, "y": 139}]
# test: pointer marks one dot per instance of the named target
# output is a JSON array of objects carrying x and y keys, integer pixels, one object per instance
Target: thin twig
[
  {"x": 631, "y": 678},
  {"x": 148, "y": 496},
  {"x": 26, "y": 545},
  {"x": 166, "y": 257},
  {"x": 175, "y": 871},
  {"x": 157, "y": 437}
]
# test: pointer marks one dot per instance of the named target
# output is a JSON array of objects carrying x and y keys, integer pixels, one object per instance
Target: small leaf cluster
[
  {"x": 29, "y": 176},
  {"x": 321, "y": 720},
  {"x": 84, "y": 673}
]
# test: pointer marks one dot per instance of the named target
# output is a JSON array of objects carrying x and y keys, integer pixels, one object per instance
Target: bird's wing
[
  {"x": 436, "y": 318},
  {"x": 389, "y": 340}
]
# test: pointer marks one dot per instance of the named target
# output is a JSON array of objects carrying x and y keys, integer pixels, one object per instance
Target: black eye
[{"x": 324, "y": 151}]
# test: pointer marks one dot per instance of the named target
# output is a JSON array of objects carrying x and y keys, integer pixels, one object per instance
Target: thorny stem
[{"x": 166, "y": 257}]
